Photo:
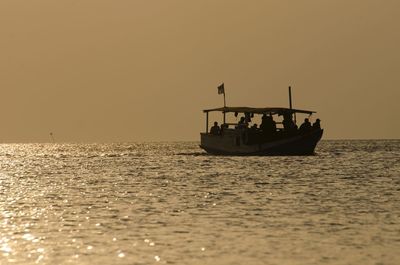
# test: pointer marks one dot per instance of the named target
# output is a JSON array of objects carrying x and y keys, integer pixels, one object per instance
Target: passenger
[
  {"x": 268, "y": 125},
  {"x": 215, "y": 130},
  {"x": 242, "y": 123},
  {"x": 247, "y": 117},
  {"x": 224, "y": 126},
  {"x": 306, "y": 126},
  {"x": 288, "y": 123},
  {"x": 253, "y": 134},
  {"x": 264, "y": 122},
  {"x": 317, "y": 124},
  {"x": 273, "y": 124}
]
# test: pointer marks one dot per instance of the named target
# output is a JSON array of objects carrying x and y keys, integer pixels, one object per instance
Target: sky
[{"x": 143, "y": 70}]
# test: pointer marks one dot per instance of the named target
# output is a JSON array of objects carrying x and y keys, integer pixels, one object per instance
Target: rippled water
[{"x": 169, "y": 203}]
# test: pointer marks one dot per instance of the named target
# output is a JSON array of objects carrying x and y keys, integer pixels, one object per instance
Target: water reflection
[{"x": 169, "y": 203}]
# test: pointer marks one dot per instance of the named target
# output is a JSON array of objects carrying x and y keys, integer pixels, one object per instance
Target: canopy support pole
[{"x": 207, "y": 122}]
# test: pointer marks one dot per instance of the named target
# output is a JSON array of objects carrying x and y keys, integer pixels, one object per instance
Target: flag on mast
[{"x": 221, "y": 89}]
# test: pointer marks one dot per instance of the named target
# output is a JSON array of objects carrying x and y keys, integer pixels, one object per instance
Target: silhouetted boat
[
  {"x": 244, "y": 141},
  {"x": 238, "y": 139}
]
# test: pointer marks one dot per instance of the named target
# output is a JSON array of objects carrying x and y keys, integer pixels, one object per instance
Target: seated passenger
[
  {"x": 253, "y": 135},
  {"x": 247, "y": 117},
  {"x": 254, "y": 128},
  {"x": 224, "y": 126},
  {"x": 288, "y": 123},
  {"x": 317, "y": 124},
  {"x": 306, "y": 126},
  {"x": 273, "y": 124},
  {"x": 215, "y": 130},
  {"x": 264, "y": 122},
  {"x": 242, "y": 123},
  {"x": 268, "y": 125}
]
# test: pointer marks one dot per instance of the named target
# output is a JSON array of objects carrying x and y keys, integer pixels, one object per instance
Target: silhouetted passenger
[
  {"x": 242, "y": 123},
  {"x": 247, "y": 117},
  {"x": 273, "y": 124},
  {"x": 253, "y": 135},
  {"x": 268, "y": 125},
  {"x": 288, "y": 123},
  {"x": 263, "y": 125},
  {"x": 254, "y": 128},
  {"x": 306, "y": 126},
  {"x": 215, "y": 130},
  {"x": 317, "y": 124},
  {"x": 224, "y": 126}
]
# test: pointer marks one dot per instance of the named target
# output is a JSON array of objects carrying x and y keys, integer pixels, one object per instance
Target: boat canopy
[{"x": 272, "y": 111}]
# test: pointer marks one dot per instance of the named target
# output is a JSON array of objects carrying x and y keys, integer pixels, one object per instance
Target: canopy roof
[{"x": 259, "y": 110}]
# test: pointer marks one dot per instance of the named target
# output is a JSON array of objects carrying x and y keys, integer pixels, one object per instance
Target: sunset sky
[{"x": 133, "y": 70}]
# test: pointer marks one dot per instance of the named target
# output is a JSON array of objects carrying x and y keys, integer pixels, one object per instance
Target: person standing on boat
[{"x": 215, "y": 130}]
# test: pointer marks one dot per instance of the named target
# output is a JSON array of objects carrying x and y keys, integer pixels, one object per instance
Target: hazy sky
[{"x": 130, "y": 70}]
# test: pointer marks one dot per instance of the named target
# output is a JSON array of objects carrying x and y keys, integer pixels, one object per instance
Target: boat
[{"x": 239, "y": 139}]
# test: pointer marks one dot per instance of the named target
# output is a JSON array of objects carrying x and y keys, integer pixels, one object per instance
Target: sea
[{"x": 171, "y": 203}]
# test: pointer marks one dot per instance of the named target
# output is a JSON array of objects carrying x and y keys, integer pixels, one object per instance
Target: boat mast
[
  {"x": 224, "y": 107},
  {"x": 223, "y": 91},
  {"x": 290, "y": 102}
]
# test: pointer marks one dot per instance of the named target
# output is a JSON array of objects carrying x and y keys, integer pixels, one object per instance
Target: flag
[{"x": 221, "y": 89}]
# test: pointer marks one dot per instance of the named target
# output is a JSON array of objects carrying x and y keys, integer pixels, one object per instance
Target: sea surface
[{"x": 170, "y": 203}]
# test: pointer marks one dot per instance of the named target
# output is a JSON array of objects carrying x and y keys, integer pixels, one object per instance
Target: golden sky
[{"x": 130, "y": 70}]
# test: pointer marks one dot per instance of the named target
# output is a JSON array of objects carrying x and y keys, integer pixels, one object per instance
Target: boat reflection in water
[{"x": 271, "y": 138}]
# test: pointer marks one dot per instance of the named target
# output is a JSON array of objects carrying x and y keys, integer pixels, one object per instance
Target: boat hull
[{"x": 234, "y": 143}]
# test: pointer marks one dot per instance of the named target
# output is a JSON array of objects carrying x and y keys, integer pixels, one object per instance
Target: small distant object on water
[
  {"x": 269, "y": 138},
  {"x": 52, "y": 137}
]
